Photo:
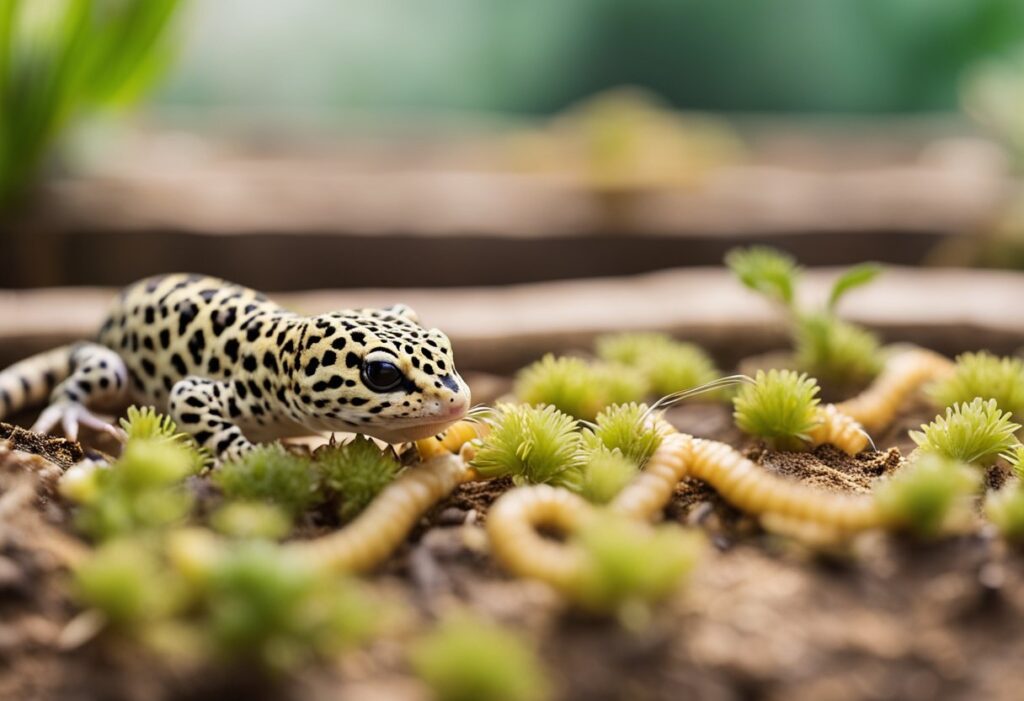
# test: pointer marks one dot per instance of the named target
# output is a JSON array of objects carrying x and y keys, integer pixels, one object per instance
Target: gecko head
[{"x": 378, "y": 372}]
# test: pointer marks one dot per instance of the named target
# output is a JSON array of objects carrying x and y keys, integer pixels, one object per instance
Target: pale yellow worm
[
  {"x": 512, "y": 528},
  {"x": 740, "y": 482},
  {"x": 385, "y": 523},
  {"x": 838, "y": 429},
  {"x": 903, "y": 375},
  {"x": 454, "y": 437}
]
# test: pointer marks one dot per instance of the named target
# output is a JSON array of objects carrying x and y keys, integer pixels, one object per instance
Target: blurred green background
[{"x": 537, "y": 56}]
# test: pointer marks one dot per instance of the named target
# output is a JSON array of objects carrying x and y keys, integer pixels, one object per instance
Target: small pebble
[{"x": 452, "y": 516}]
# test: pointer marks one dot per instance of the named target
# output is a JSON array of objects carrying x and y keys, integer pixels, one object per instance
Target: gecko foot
[{"x": 70, "y": 416}]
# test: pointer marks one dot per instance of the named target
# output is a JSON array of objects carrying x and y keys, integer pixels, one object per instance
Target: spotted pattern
[{"x": 232, "y": 367}]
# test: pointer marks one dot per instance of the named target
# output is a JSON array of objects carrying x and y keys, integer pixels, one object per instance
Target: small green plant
[
  {"x": 1005, "y": 509},
  {"x": 270, "y": 474},
  {"x": 630, "y": 565},
  {"x": 622, "y": 428},
  {"x": 766, "y": 271},
  {"x": 142, "y": 490},
  {"x": 144, "y": 423},
  {"x": 977, "y": 433},
  {"x": 1015, "y": 458},
  {"x": 61, "y": 59},
  {"x": 605, "y": 474},
  {"x": 264, "y": 605},
  {"x": 469, "y": 659},
  {"x": 780, "y": 406},
  {"x": 668, "y": 365},
  {"x": 357, "y": 471},
  {"x": 577, "y": 387},
  {"x": 251, "y": 519},
  {"x": 982, "y": 375},
  {"x": 924, "y": 496},
  {"x": 825, "y": 346},
  {"x": 836, "y": 351},
  {"x": 126, "y": 580},
  {"x": 532, "y": 445}
]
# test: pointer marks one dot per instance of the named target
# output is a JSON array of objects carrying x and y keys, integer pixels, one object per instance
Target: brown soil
[{"x": 762, "y": 618}]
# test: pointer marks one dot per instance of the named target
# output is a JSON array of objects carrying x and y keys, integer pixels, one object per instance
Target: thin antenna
[{"x": 676, "y": 397}]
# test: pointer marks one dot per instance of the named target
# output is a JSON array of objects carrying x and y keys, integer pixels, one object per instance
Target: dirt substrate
[{"x": 762, "y": 617}]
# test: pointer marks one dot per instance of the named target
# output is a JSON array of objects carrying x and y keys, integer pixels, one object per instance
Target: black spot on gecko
[{"x": 231, "y": 348}]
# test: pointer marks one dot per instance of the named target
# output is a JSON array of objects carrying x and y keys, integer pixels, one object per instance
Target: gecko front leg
[
  {"x": 97, "y": 376},
  {"x": 207, "y": 409}
]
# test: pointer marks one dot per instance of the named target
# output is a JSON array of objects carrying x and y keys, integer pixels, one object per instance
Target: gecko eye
[{"x": 381, "y": 376}]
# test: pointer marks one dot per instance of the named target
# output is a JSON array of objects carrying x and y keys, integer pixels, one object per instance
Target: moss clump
[
  {"x": 262, "y": 604},
  {"x": 780, "y": 406},
  {"x": 623, "y": 428},
  {"x": 923, "y": 497},
  {"x": 251, "y": 519},
  {"x": 976, "y": 433},
  {"x": 1005, "y": 509},
  {"x": 630, "y": 564},
  {"x": 468, "y": 659},
  {"x": 825, "y": 346},
  {"x": 270, "y": 474},
  {"x": 144, "y": 423},
  {"x": 982, "y": 375},
  {"x": 577, "y": 387},
  {"x": 668, "y": 365},
  {"x": 535, "y": 445},
  {"x": 836, "y": 351},
  {"x": 604, "y": 475},
  {"x": 357, "y": 471},
  {"x": 142, "y": 490},
  {"x": 127, "y": 581}
]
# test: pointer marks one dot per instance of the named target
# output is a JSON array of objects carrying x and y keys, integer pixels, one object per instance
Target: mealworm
[
  {"x": 512, "y": 524},
  {"x": 385, "y": 523},
  {"x": 741, "y": 483},
  {"x": 457, "y": 435},
  {"x": 904, "y": 374},
  {"x": 840, "y": 430}
]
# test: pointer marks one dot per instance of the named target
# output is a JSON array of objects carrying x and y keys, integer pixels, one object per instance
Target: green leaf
[{"x": 854, "y": 277}]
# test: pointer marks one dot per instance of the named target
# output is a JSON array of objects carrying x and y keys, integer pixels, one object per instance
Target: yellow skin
[{"x": 232, "y": 367}]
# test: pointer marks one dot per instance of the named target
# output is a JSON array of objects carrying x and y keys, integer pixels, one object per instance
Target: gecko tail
[{"x": 29, "y": 382}]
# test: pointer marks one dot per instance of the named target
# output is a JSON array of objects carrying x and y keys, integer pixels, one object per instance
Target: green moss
[
  {"x": 127, "y": 581},
  {"x": 469, "y": 659},
  {"x": 357, "y": 471},
  {"x": 982, "y": 375},
  {"x": 251, "y": 519},
  {"x": 272, "y": 475},
  {"x": 144, "y": 423},
  {"x": 142, "y": 490},
  {"x": 532, "y": 445},
  {"x": 1005, "y": 509},
  {"x": 836, "y": 351},
  {"x": 264, "y": 605},
  {"x": 668, "y": 365},
  {"x": 605, "y": 474},
  {"x": 631, "y": 564},
  {"x": 577, "y": 387},
  {"x": 922, "y": 498},
  {"x": 976, "y": 433},
  {"x": 622, "y": 427},
  {"x": 780, "y": 406}
]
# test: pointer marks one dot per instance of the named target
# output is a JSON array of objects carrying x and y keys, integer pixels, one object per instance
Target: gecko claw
[{"x": 71, "y": 416}]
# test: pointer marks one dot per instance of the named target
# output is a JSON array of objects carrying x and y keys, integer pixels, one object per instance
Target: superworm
[
  {"x": 453, "y": 439},
  {"x": 512, "y": 528},
  {"x": 904, "y": 374},
  {"x": 386, "y": 522},
  {"x": 740, "y": 482},
  {"x": 840, "y": 430}
]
